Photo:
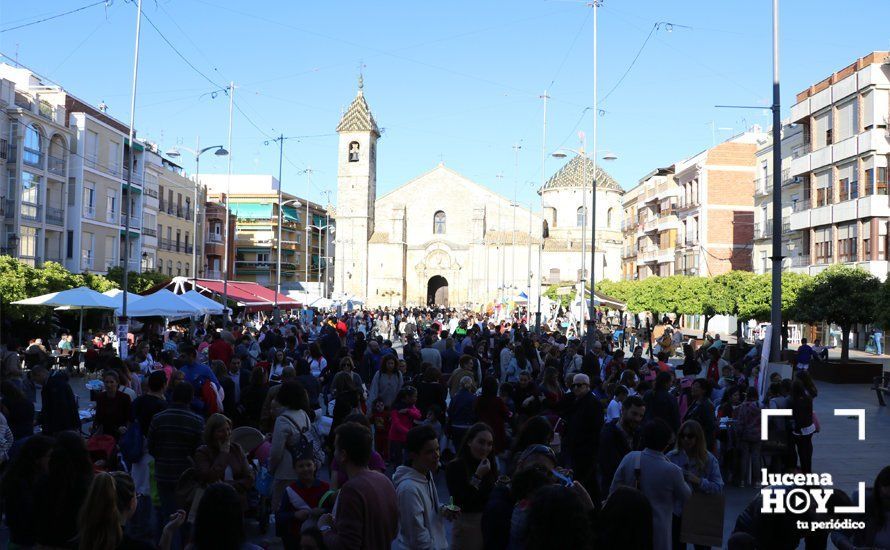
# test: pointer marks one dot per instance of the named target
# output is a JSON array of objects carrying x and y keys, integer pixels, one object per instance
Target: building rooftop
[
  {"x": 358, "y": 117},
  {"x": 570, "y": 175}
]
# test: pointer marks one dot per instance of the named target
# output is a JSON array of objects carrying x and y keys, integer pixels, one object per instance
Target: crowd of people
[{"x": 469, "y": 433}]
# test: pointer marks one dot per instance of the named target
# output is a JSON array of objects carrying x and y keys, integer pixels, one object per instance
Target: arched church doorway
[{"x": 437, "y": 291}]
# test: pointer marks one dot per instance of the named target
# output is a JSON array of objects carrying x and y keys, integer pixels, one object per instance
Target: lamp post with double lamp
[
  {"x": 197, "y": 151},
  {"x": 591, "y": 319},
  {"x": 281, "y": 204}
]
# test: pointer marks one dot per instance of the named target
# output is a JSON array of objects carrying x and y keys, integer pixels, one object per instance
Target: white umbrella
[
  {"x": 76, "y": 298},
  {"x": 117, "y": 295},
  {"x": 163, "y": 303},
  {"x": 322, "y": 303},
  {"x": 203, "y": 303}
]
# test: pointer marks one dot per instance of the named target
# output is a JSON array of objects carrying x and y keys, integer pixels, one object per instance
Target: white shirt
[{"x": 613, "y": 411}]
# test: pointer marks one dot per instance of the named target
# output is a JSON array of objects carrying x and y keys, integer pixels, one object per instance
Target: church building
[{"x": 442, "y": 238}]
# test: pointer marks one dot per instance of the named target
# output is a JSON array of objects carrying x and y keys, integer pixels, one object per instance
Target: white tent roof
[
  {"x": 163, "y": 303},
  {"x": 117, "y": 297},
  {"x": 205, "y": 304},
  {"x": 323, "y": 303},
  {"x": 75, "y": 298}
]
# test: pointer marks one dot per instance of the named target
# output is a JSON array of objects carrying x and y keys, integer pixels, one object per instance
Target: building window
[
  {"x": 69, "y": 244},
  {"x": 187, "y": 270},
  {"x": 89, "y": 200},
  {"x": 178, "y": 268},
  {"x": 439, "y": 223},
  {"x": 555, "y": 275},
  {"x": 866, "y": 241},
  {"x": 609, "y": 218},
  {"x": 822, "y": 188},
  {"x": 846, "y": 242},
  {"x": 86, "y": 250},
  {"x": 262, "y": 257},
  {"x": 823, "y": 248},
  {"x": 111, "y": 205},
  {"x": 33, "y": 154},
  {"x": 353, "y": 151},
  {"x": 848, "y": 187},
  {"x": 581, "y": 215},
  {"x": 170, "y": 267}
]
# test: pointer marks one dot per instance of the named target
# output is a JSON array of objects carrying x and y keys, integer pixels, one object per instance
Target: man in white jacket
[{"x": 421, "y": 515}]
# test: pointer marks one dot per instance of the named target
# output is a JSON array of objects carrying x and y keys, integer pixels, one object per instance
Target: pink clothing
[{"x": 401, "y": 423}]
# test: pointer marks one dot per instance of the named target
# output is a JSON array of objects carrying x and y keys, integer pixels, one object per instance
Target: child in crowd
[
  {"x": 403, "y": 416},
  {"x": 434, "y": 418},
  {"x": 380, "y": 420},
  {"x": 613, "y": 411},
  {"x": 304, "y": 500}
]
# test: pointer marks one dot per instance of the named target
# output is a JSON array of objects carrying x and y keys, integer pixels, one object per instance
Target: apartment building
[
  {"x": 651, "y": 226},
  {"x": 715, "y": 207},
  {"x": 253, "y": 199},
  {"x": 34, "y": 144},
  {"x": 215, "y": 239},
  {"x": 179, "y": 231},
  {"x": 843, "y": 213},
  {"x": 793, "y": 192}
]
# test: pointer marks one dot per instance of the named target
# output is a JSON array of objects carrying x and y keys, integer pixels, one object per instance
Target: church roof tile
[
  {"x": 358, "y": 117},
  {"x": 570, "y": 175}
]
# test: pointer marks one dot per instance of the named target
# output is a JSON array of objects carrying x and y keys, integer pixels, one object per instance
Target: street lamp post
[
  {"x": 279, "y": 242},
  {"x": 328, "y": 229},
  {"x": 197, "y": 151}
]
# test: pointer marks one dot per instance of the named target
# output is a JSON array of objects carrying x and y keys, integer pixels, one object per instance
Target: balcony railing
[
  {"x": 149, "y": 231},
  {"x": 162, "y": 206},
  {"x": 151, "y": 191},
  {"x": 30, "y": 211},
  {"x": 214, "y": 238},
  {"x": 89, "y": 212},
  {"x": 135, "y": 177},
  {"x": 9, "y": 208},
  {"x": 33, "y": 261},
  {"x": 786, "y": 224},
  {"x": 110, "y": 216},
  {"x": 691, "y": 241},
  {"x": 801, "y": 260},
  {"x": 56, "y": 166},
  {"x": 91, "y": 161},
  {"x": 800, "y": 206},
  {"x": 55, "y": 216},
  {"x": 213, "y": 274},
  {"x": 135, "y": 222},
  {"x": 32, "y": 157},
  {"x": 86, "y": 262},
  {"x": 762, "y": 231}
]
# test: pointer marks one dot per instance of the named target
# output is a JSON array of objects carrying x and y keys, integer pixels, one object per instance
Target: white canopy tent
[
  {"x": 205, "y": 304},
  {"x": 80, "y": 298},
  {"x": 163, "y": 303}
]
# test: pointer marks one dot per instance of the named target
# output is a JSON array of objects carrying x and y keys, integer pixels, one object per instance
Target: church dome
[{"x": 570, "y": 175}]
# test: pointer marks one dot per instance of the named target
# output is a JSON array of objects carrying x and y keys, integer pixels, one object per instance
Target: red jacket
[{"x": 221, "y": 350}]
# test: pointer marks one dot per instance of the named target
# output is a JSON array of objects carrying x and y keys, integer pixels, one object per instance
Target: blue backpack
[{"x": 132, "y": 444}]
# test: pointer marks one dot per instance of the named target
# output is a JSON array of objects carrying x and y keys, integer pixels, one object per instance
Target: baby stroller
[
  {"x": 259, "y": 498},
  {"x": 104, "y": 453}
]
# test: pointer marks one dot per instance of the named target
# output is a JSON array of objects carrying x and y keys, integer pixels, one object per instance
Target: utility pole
[
  {"x": 123, "y": 328},
  {"x": 776, "y": 302},
  {"x": 591, "y": 336},
  {"x": 231, "y": 90},
  {"x": 545, "y": 97}
]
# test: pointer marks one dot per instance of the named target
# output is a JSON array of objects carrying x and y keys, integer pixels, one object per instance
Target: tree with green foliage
[
  {"x": 842, "y": 295},
  {"x": 564, "y": 300},
  {"x": 138, "y": 282}
]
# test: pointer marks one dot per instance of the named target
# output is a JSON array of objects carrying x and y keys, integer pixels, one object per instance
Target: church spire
[{"x": 358, "y": 117}]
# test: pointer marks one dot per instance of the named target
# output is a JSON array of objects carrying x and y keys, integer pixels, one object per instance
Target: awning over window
[
  {"x": 252, "y": 296},
  {"x": 251, "y": 210},
  {"x": 290, "y": 214},
  {"x": 138, "y": 146}
]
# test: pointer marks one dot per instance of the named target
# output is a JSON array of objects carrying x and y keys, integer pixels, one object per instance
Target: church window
[
  {"x": 353, "y": 151},
  {"x": 439, "y": 223},
  {"x": 581, "y": 213},
  {"x": 609, "y": 217}
]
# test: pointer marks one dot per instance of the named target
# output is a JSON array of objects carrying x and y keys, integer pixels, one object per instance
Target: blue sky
[{"x": 457, "y": 81}]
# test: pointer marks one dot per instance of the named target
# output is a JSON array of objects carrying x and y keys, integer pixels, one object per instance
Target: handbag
[{"x": 702, "y": 520}]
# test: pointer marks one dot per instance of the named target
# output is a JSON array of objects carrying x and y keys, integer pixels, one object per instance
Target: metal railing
[
  {"x": 30, "y": 211},
  {"x": 110, "y": 216},
  {"x": 32, "y": 157},
  {"x": 151, "y": 191},
  {"x": 149, "y": 232},
  {"x": 9, "y": 208},
  {"x": 91, "y": 161},
  {"x": 801, "y": 260},
  {"x": 214, "y": 238},
  {"x": 135, "y": 177},
  {"x": 89, "y": 212},
  {"x": 86, "y": 262},
  {"x": 213, "y": 274},
  {"x": 55, "y": 216},
  {"x": 786, "y": 224},
  {"x": 800, "y": 206},
  {"x": 135, "y": 222},
  {"x": 762, "y": 231},
  {"x": 56, "y": 166},
  {"x": 691, "y": 241}
]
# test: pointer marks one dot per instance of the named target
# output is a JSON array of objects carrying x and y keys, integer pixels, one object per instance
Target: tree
[
  {"x": 841, "y": 295},
  {"x": 729, "y": 292},
  {"x": 138, "y": 282},
  {"x": 758, "y": 298},
  {"x": 564, "y": 300}
]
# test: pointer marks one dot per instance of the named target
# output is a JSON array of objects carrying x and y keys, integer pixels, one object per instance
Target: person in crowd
[
  {"x": 877, "y": 518},
  {"x": 59, "y": 412},
  {"x": 492, "y": 410},
  {"x": 558, "y": 518},
  {"x": 108, "y": 506},
  {"x": 309, "y": 382},
  {"x": 293, "y": 424},
  {"x": 61, "y": 492},
  {"x": 112, "y": 407},
  {"x": 317, "y": 361},
  {"x": 303, "y": 499},
  {"x": 470, "y": 478},
  {"x": 17, "y": 409},
  {"x": 584, "y": 420},
  {"x": 613, "y": 411},
  {"x": 466, "y": 366},
  {"x": 339, "y": 476},
  {"x": 661, "y": 481},
  {"x": 747, "y": 428},
  {"x": 421, "y": 515},
  {"x": 219, "y": 521},
  {"x": 430, "y": 390},
  {"x": 626, "y": 521},
  {"x": 386, "y": 382},
  {"x": 18, "y": 486},
  {"x": 553, "y": 391},
  {"x": 279, "y": 363},
  {"x": 462, "y": 410},
  {"x": 173, "y": 437},
  {"x": 220, "y": 459},
  {"x": 700, "y": 468},
  {"x": 429, "y": 354},
  {"x": 253, "y": 397},
  {"x": 618, "y": 438},
  {"x": 403, "y": 416},
  {"x": 660, "y": 403},
  {"x": 269, "y": 411},
  {"x": 701, "y": 409},
  {"x": 803, "y": 391},
  {"x": 804, "y": 356},
  {"x": 366, "y": 514}
]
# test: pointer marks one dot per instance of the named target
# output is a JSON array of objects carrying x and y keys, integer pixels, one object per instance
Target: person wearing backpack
[{"x": 291, "y": 426}]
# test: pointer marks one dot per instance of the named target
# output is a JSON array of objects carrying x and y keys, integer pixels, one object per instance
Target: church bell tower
[{"x": 356, "y": 193}]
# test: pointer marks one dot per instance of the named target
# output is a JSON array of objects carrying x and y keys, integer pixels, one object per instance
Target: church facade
[{"x": 442, "y": 238}]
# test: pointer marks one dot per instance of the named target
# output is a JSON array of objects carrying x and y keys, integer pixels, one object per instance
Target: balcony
[
  {"x": 214, "y": 238},
  {"x": 30, "y": 211},
  {"x": 149, "y": 231},
  {"x": 165, "y": 244},
  {"x": 55, "y": 216},
  {"x": 213, "y": 274},
  {"x": 763, "y": 231},
  {"x": 91, "y": 161},
  {"x": 33, "y": 261},
  {"x": 134, "y": 221},
  {"x": 114, "y": 169},
  {"x": 89, "y": 212},
  {"x": 9, "y": 208},
  {"x": 135, "y": 177},
  {"x": 151, "y": 191},
  {"x": 111, "y": 216},
  {"x": 691, "y": 241},
  {"x": 32, "y": 157},
  {"x": 764, "y": 185},
  {"x": 162, "y": 206},
  {"x": 86, "y": 262},
  {"x": 786, "y": 224},
  {"x": 56, "y": 166}
]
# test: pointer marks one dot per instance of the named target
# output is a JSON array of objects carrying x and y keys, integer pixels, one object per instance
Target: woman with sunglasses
[{"x": 700, "y": 469}]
